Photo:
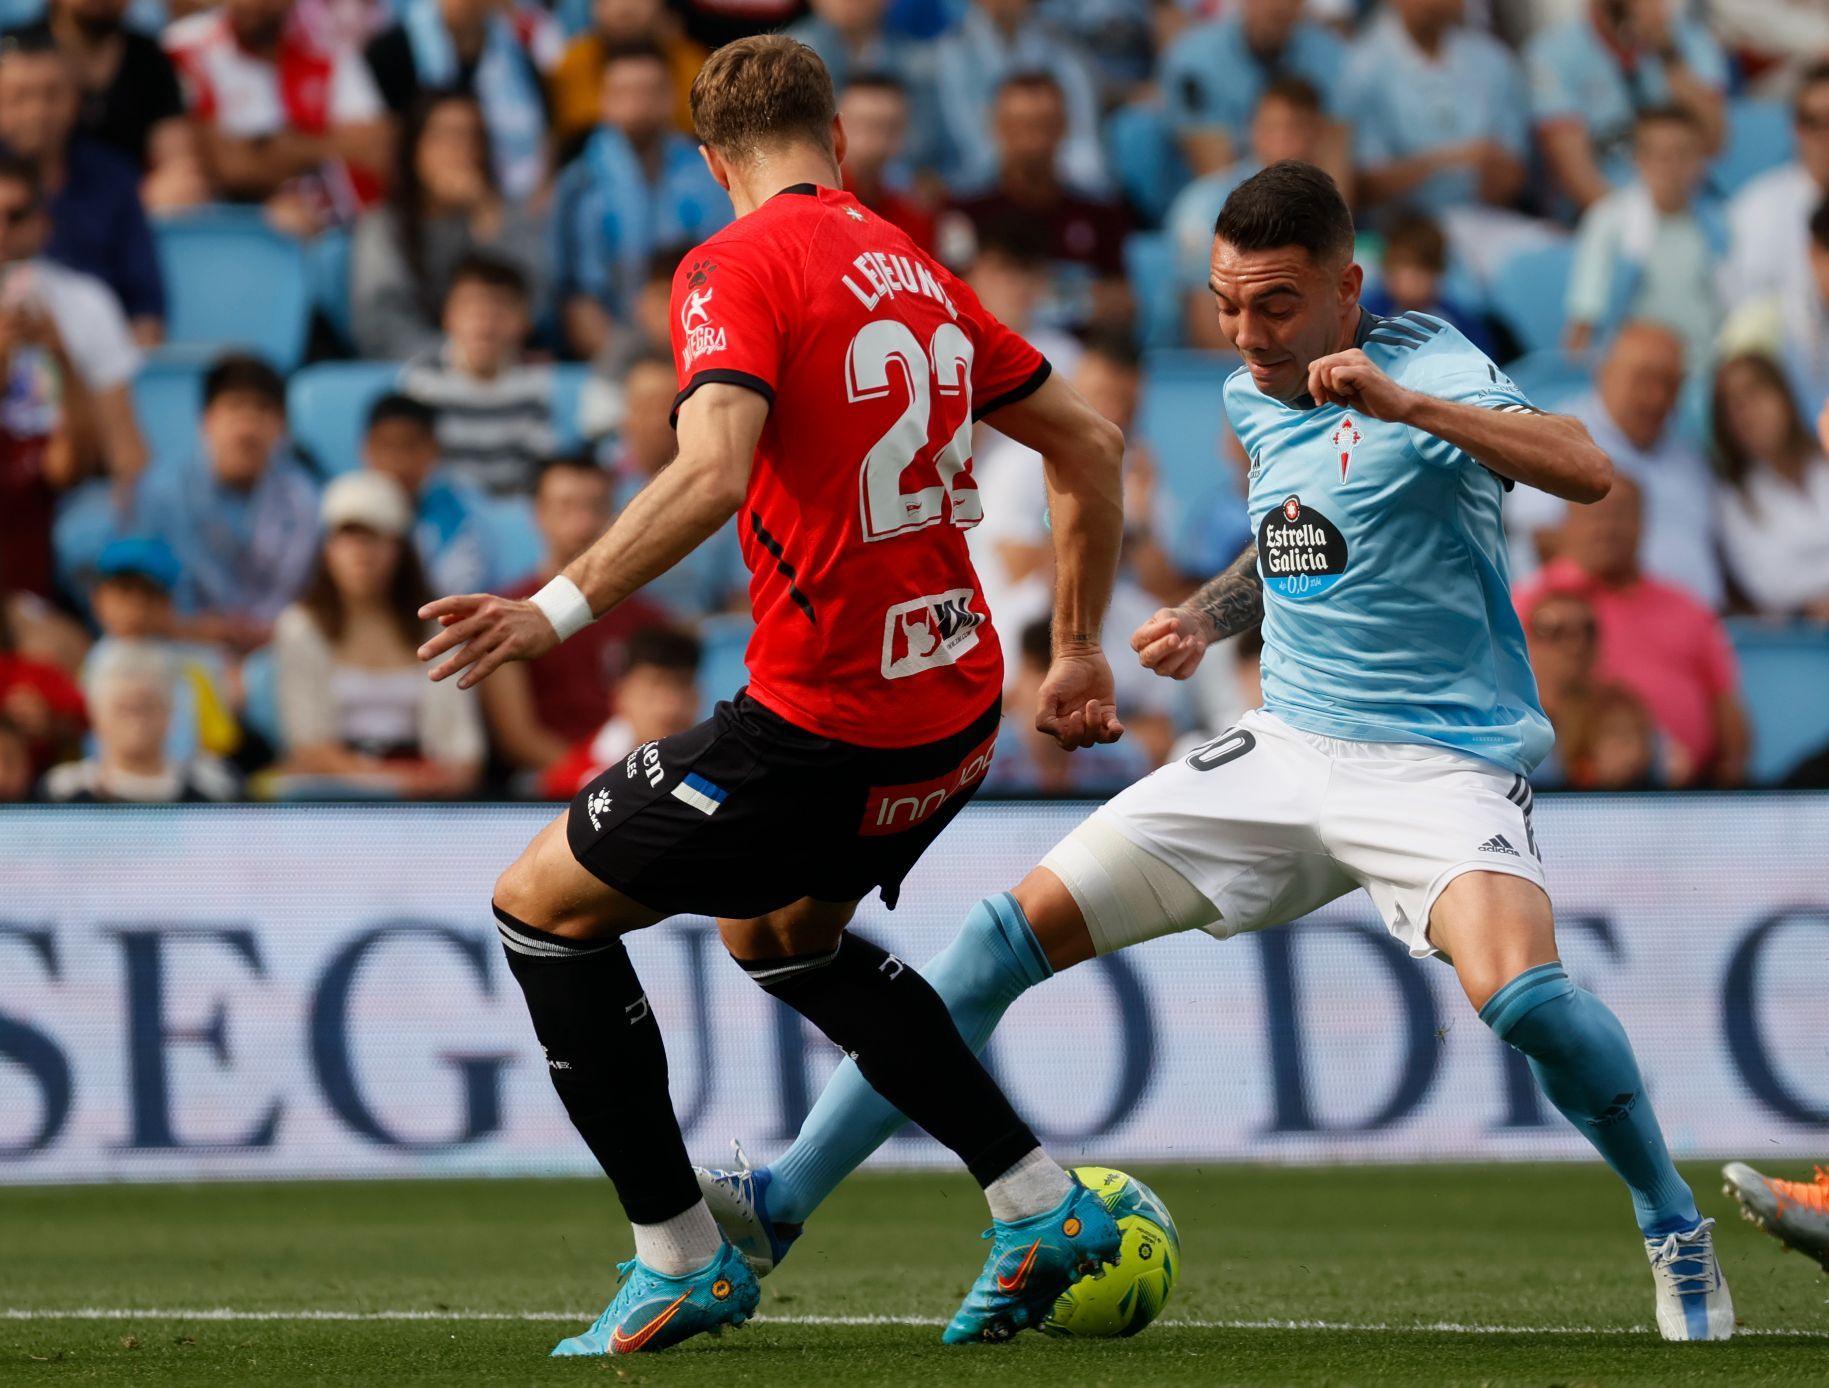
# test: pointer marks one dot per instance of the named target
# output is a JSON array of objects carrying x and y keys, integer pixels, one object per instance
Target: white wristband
[{"x": 565, "y": 607}]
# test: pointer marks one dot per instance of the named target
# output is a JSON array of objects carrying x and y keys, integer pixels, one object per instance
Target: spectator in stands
[
  {"x": 637, "y": 185},
  {"x": 712, "y": 578},
  {"x": 1027, "y": 760},
  {"x": 1613, "y": 743},
  {"x": 1769, "y": 218},
  {"x": 851, "y": 38},
  {"x": 66, "y": 361},
  {"x": 546, "y": 706},
  {"x": 241, "y": 517},
  {"x": 354, "y": 702},
  {"x": 1652, "y": 250},
  {"x": 1287, "y": 124},
  {"x": 132, "y": 602},
  {"x": 495, "y": 408},
  {"x": 130, "y": 98},
  {"x": 1792, "y": 325},
  {"x": 39, "y": 702},
  {"x": 1009, "y": 274},
  {"x": 15, "y": 764},
  {"x": 874, "y": 109},
  {"x": 1564, "y": 638},
  {"x": 1592, "y": 74},
  {"x": 656, "y": 696},
  {"x": 1655, "y": 638},
  {"x": 487, "y": 50},
  {"x": 1774, "y": 497},
  {"x": 444, "y": 204},
  {"x": 1213, "y": 75},
  {"x": 714, "y": 23},
  {"x": 91, "y": 192},
  {"x": 577, "y": 82},
  {"x": 993, "y": 42},
  {"x": 130, "y": 688},
  {"x": 1631, "y": 413},
  {"x": 1410, "y": 280},
  {"x": 1086, "y": 232},
  {"x": 283, "y": 123},
  {"x": 450, "y": 527},
  {"x": 1438, "y": 112}
]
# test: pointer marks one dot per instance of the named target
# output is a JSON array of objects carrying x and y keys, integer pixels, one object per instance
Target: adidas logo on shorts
[{"x": 1497, "y": 844}]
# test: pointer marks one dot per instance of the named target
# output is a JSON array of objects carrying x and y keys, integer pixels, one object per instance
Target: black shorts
[{"x": 747, "y": 813}]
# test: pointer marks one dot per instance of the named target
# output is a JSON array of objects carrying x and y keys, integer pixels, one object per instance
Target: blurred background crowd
[{"x": 313, "y": 309}]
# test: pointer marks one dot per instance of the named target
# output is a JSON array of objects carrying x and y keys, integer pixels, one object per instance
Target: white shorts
[{"x": 1268, "y": 823}]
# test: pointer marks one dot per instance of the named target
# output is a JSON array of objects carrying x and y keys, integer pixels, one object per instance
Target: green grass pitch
[{"x": 1442, "y": 1275}]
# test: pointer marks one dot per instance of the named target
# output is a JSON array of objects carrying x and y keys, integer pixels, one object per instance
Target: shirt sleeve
[
  {"x": 1466, "y": 376},
  {"x": 354, "y": 97},
  {"x": 1005, "y": 368},
  {"x": 1552, "y": 93},
  {"x": 96, "y": 334},
  {"x": 727, "y": 322}
]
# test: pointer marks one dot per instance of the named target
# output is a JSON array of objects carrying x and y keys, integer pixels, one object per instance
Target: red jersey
[{"x": 870, "y": 624}]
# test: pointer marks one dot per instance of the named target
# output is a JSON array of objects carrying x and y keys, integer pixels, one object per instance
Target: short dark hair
[
  {"x": 403, "y": 408},
  {"x": 1667, "y": 114},
  {"x": 487, "y": 268},
  {"x": 243, "y": 373},
  {"x": 1019, "y": 240},
  {"x": 1288, "y": 204},
  {"x": 1115, "y": 344},
  {"x": 1814, "y": 75},
  {"x": 663, "y": 648},
  {"x": 1036, "y": 643},
  {"x": 1031, "y": 79},
  {"x": 33, "y": 42},
  {"x": 635, "y": 51},
  {"x": 1819, "y": 226},
  {"x": 16, "y": 168},
  {"x": 877, "y": 80},
  {"x": 1294, "y": 91},
  {"x": 1418, "y": 238},
  {"x": 568, "y": 462}
]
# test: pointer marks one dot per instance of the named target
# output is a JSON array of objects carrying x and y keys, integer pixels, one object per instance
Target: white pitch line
[{"x": 229, "y": 1313}]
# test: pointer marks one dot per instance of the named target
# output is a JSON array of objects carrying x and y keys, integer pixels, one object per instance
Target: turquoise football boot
[
  {"x": 654, "y": 1311},
  {"x": 1032, "y": 1262}
]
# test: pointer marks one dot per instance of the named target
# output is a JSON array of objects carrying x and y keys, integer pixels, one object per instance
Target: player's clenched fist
[
  {"x": 1078, "y": 707},
  {"x": 1172, "y": 642},
  {"x": 1348, "y": 378},
  {"x": 484, "y": 632}
]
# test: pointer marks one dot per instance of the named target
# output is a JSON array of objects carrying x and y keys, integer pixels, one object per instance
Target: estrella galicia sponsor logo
[
  {"x": 926, "y": 633},
  {"x": 1300, "y": 552}
]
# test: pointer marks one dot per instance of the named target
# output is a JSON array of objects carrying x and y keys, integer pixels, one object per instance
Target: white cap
[{"x": 370, "y": 499}]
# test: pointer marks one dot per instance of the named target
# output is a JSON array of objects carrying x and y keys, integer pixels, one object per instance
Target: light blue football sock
[
  {"x": 992, "y": 961},
  {"x": 1584, "y": 1064}
]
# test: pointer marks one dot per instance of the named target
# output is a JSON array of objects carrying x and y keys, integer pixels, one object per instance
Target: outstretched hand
[
  {"x": 1173, "y": 641},
  {"x": 1078, "y": 707},
  {"x": 483, "y": 632},
  {"x": 1349, "y": 378}
]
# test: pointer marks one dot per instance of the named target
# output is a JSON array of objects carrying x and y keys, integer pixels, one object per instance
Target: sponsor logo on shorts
[
  {"x": 1300, "y": 551},
  {"x": 598, "y": 803},
  {"x": 700, "y": 793},
  {"x": 926, "y": 633},
  {"x": 895, "y": 809},
  {"x": 646, "y": 759}
]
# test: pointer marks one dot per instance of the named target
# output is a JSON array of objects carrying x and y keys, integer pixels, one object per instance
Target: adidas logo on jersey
[{"x": 1497, "y": 844}]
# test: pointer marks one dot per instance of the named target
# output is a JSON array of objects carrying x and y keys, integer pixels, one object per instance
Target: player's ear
[
  {"x": 715, "y": 162},
  {"x": 1352, "y": 281},
  {"x": 838, "y": 141}
]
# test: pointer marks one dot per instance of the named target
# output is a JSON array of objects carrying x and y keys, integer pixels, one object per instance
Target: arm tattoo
[{"x": 1234, "y": 601}]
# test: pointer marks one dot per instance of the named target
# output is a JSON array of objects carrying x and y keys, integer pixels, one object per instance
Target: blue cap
[{"x": 148, "y": 558}]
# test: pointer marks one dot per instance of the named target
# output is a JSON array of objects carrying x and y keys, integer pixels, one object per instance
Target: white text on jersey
[{"x": 889, "y": 275}]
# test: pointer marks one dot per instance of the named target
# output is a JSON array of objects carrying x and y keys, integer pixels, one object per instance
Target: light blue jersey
[{"x": 1387, "y": 605}]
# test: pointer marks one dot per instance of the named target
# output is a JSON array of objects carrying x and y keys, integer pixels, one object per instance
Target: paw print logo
[{"x": 700, "y": 272}]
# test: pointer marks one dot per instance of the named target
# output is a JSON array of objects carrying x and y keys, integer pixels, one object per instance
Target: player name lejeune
[{"x": 888, "y": 275}]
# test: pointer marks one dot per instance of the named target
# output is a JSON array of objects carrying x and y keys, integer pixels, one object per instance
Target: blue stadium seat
[
  {"x": 1182, "y": 416},
  {"x": 232, "y": 281},
  {"x": 1527, "y": 295},
  {"x": 167, "y": 399},
  {"x": 327, "y": 404},
  {"x": 327, "y": 259},
  {"x": 260, "y": 694},
  {"x": 1149, "y": 265},
  {"x": 721, "y": 669},
  {"x": 1759, "y": 137},
  {"x": 1145, "y": 160},
  {"x": 1784, "y": 670},
  {"x": 569, "y": 378},
  {"x": 1551, "y": 378}
]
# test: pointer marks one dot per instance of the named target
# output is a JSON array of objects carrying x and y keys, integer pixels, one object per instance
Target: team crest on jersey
[
  {"x": 1300, "y": 552},
  {"x": 1345, "y": 439}
]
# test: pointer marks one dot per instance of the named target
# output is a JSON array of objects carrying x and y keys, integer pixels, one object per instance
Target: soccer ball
[{"x": 1132, "y": 1294}]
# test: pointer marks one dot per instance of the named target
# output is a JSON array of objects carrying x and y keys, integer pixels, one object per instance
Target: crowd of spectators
[{"x": 516, "y": 182}]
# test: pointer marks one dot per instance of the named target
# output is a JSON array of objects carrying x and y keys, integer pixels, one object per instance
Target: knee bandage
[{"x": 1125, "y": 894}]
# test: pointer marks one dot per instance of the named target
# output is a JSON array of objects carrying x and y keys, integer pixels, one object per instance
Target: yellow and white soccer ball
[{"x": 1132, "y": 1294}]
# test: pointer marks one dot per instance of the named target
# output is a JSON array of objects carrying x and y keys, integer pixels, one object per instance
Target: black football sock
[
  {"x": 605, "y": 1056},
  {"x": 890, "y": 1020}
]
